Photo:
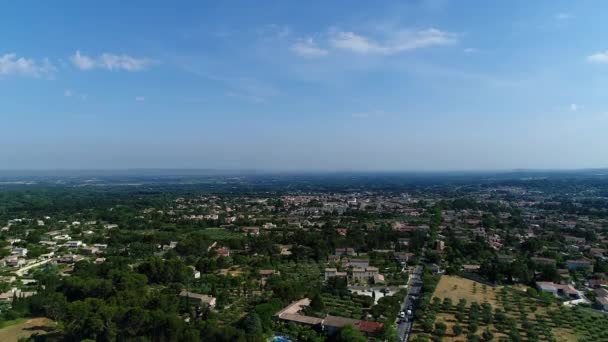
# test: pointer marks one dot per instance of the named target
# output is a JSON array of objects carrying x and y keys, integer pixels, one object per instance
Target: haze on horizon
[{"x": 315, "y": 85}]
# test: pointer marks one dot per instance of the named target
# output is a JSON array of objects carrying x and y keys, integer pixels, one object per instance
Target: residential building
[{"x": 199, "y": 299}]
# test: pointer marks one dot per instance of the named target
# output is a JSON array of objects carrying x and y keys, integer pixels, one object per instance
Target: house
[
  {"x": 333, "y": 272},
  {"x": 369, "y": 327},
  {"x": 403, "y": 242},
  {"x": 14, "y": 292},
  {"x": 223, "y": 252},
  {"x": 580, "y": 264},
  {"x": 15, "y": 261},
  {"x": 74, "y": 244},
  {"x": 558, "y": 290},
  {"x": 195, "y": 273},
  {"x": 364, "y": 274},
  {"x": 69, "y": 258},
  {"x": 47, "y": 255},
  {"x": 269, "y": 225},
  {"x": 48, "y": 243},
  {"x": 342, "y": 231},
  {"x": 345, "y": 251},
  {"x": 331, "y": 324},
  {"x": 251, "y": 230},
  {"x": 597, "y": 283},
  {"x": 61, "y": 237},
  {"x": 199, "y": 299},
  {"x": 505, "y": 258},
  {"x": 440, "y": 245},
  {"x": 403, "y": 257},
  {"x": 602, "y": 303},
  {"x": 471, "y": 268},
  {"x": 284, "y": 249},
  {"x": 20, "y": 252},
  {"x": 90, "y": 250},
  {"x": 268, "y": 273},
  {"x": 543, "y": 261},
  {"x": 378, "y": 279},
  {"x": 333, "y": 258},
  {"x": 435, "y": 269},
  {"x": 357, "y": 263}
]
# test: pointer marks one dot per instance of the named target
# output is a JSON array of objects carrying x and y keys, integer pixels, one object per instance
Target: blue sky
[{"x": 304, "y": 85}]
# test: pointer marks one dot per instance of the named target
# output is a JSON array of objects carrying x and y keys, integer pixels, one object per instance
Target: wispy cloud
[
  {"x": 10, "y": 64},
  {"x": 140, "y": 98},
  {"x": 68, "y": 93},
  {"x": 574, "y": 107},
  {"x": 600, "y": 57},
  {"x": 562, "y": 16},
  {"x": 395, "y": 42},
  {"x": 470, "y": 50},
  {"x": 110, "y": 61},
  {"x": 385, "y": 41},
  {"x": 307, "y": 47}
]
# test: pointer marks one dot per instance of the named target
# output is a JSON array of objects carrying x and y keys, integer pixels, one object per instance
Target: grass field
[
  {"x": 505, "y": 312},
  {"x": 24, "y": 328}
]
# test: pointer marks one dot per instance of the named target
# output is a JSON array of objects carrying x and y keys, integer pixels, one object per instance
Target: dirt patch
[
  {"x": 34, "y": 325},
  {"x": 457, "y": 287}
]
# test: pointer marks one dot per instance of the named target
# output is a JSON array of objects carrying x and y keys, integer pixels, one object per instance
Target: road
[
  {"x": 20, "y": 272},
  {"x": 404, "y": 327}
]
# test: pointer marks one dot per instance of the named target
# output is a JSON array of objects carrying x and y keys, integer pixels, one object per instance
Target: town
[{"x": 414, "y": 263}]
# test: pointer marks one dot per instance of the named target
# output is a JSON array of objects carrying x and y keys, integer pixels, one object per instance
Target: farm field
[{"x": 464, "y": 310}]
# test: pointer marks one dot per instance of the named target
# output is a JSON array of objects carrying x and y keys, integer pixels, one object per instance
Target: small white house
[
  {"x": 22, "y": 252},
  {"x": 74, "y": 243}
]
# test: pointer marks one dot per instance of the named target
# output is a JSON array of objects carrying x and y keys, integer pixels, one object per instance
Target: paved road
[
  {"x": 20, "y": 272},
  {"x": 414, "y": 286}
]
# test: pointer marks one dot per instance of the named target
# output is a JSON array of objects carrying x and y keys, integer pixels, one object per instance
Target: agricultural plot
[
  {"x": 350, "y": 306},
  {"x": 463, "y": 310}
]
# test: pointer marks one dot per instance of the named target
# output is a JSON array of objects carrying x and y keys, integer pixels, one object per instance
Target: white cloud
[
  {"x": 68, "y": 93},
  {"x": 563, "y": 16},
  {"x": 11, "y": 65},
  {"x": 308, "y": 48},
  {"x": 110, "y": 61},
  {"x": 600, "y": 57},
  {"x": 83, "y": 62},
  {"x": 140, "y": 99},
  {"x": 470, "y": 50},
  {"x": 573, "y": 107},
  {"x": 393, "y": 42}
]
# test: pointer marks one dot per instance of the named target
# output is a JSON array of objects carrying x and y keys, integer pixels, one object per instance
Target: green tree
[
  {"x": 440, "y": 329},
  {"x": 350, "y": 334},
  {"x": 487, "y": 335},
  {"x": 457, "y": 329},
  {"x": 317, "y": 303},
  {"x": 252, "y": 324}
]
